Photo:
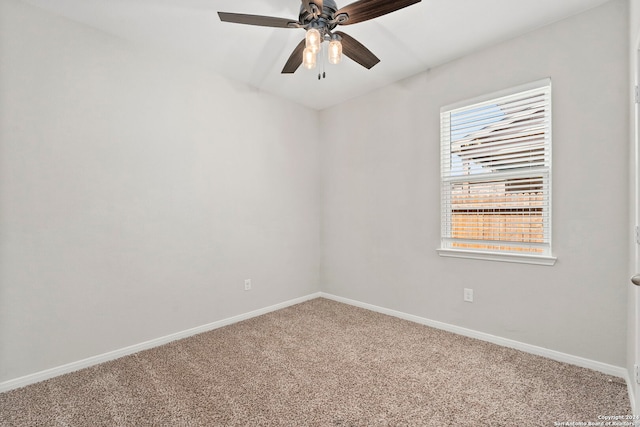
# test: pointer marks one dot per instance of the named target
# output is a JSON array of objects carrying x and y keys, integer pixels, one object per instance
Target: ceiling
[{"x": 408, "y": 41}]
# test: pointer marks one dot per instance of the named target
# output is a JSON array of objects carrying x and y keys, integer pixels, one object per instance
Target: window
[{"x": 496, "y": 176}]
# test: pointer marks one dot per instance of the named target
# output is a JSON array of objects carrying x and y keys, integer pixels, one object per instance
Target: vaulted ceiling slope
[{"x": 408, "y": 41}]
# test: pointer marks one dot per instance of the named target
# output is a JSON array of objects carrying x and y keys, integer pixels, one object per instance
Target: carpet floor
[{"x": 321, "y": 363}]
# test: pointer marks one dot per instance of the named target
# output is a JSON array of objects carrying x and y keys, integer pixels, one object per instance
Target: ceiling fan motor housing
[{"x": 323, "y": 18}]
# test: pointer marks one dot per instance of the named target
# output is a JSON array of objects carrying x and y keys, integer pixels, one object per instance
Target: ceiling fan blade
[
  {"x": 356, "y": 51},
  {"x": 364, "y": 10},
  {"x": 262, "y": 21},
  {"x": 295, "y": 59},
  {"x": 307, "y": 5}
]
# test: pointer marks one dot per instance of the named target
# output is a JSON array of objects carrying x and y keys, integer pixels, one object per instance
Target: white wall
[
  {"x": 381, "y": 201},
  {"x": 137, "y": 193}
]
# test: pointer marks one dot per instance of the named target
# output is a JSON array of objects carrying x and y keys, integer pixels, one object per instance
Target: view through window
[{"x": 496, "y": 173}]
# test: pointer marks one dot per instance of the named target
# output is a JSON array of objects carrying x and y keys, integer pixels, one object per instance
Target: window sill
[{"x": 495, "y": 256}]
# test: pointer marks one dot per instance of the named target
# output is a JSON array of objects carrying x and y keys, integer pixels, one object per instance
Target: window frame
[{"x": 446, "y": 249}]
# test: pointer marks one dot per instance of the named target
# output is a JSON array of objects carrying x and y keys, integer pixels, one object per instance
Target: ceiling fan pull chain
[{"x": 324, "y": 75}]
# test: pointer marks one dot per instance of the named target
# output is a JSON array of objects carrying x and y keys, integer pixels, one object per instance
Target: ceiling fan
[{"x": 319, "y": 18}]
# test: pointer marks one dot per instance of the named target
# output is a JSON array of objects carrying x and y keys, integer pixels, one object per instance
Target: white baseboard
[
  {"x": 616, "y": 371},
  {"x": 540, "y": 351},
  {"x": 91, "y": 361}
]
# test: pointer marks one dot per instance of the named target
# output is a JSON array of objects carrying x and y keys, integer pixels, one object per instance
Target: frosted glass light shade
[
  {"x": 335, "y": 51},
  {"x": 313, "y": 40},
  {"x": 308, "y": 58}
]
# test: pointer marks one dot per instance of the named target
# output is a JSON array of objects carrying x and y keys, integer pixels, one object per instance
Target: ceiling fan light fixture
[
  {"x": 308, "y": 59},
  {"x": 313, "y": 40},
  {"x": 335, "y": 51}
]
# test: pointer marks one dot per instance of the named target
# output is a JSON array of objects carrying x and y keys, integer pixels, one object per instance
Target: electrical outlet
[
  {"x": 468, "y": 295},
  {"x": 247, "y": 284}
]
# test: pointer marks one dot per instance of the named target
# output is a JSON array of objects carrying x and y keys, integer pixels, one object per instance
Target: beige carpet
[{"x": 321, "y": 363}]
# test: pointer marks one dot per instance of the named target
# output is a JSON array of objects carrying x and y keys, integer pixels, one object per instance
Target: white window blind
[{"x": 496, "y": 173}]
